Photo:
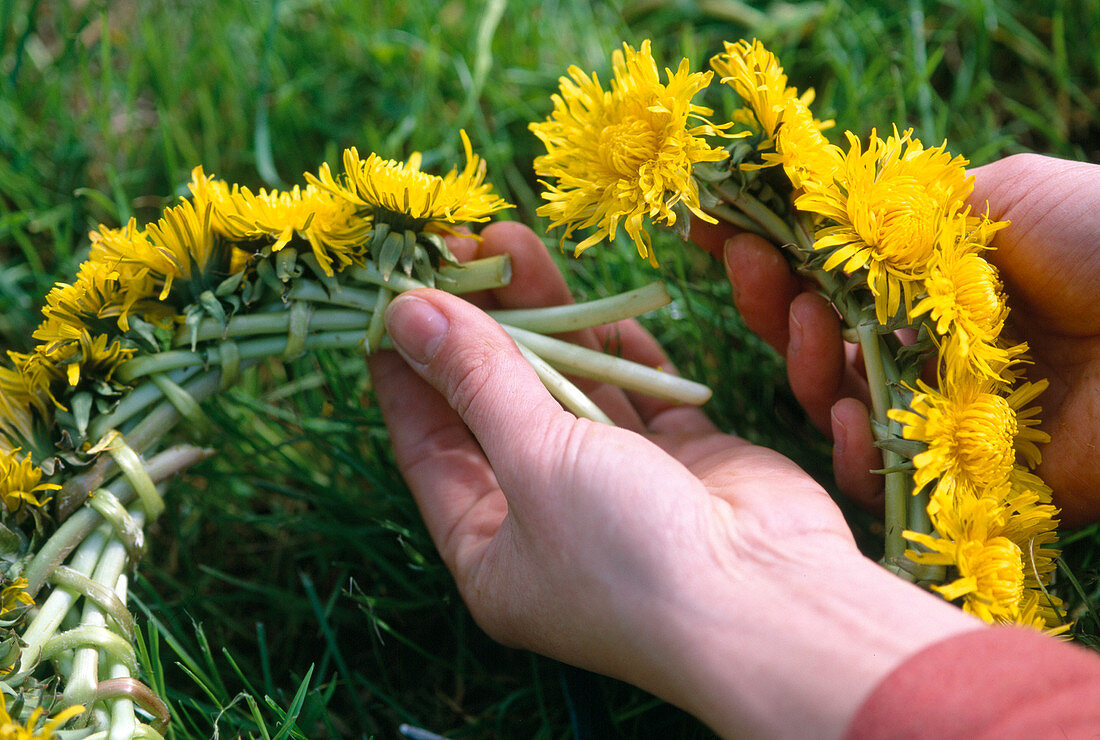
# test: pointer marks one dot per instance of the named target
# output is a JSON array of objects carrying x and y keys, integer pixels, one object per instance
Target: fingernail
[
  {"x": 795, "y": 342},
  {"x": 416, "y": 327},
  {"x": 840, "y": 434}
]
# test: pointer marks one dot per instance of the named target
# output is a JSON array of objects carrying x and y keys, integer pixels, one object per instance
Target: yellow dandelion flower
[
  {"x": 964, "y": 297},
  {"x": 993, "y": 578},
  {"x": 14, "y": 597},
  {"x": 801, "y": 149},
  {"x": 97, "y": 302},
  {"x": 181, "y": 246},
  {"x": 626, "y": 154},
  {"x": 990, "y": 576},
  {"x": 989, "y": 571},
  {"x": 973, "y": 434},
  {"x": 13, "y": 729},
  {"x": 1019, "y": 510},
  {"x": 401, "y": 195},
  {"x": 38, "y": 373},
  {"x": 1043, "y": 611},
  {"x": 757, "y": 77},
  {"x": 1032, "y": 523},
  {"x": 888, "y": 207},
  {"x": 21, "y": 482},
  {"x": 20, "y": 405},
  {"x": 336, "y": 234},
  {"x": 97, "y": 356}
]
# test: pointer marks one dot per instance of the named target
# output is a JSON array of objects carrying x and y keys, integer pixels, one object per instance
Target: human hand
[
  {"x": 1049, "y": 259},
  {"x": 711, "y": 572}
]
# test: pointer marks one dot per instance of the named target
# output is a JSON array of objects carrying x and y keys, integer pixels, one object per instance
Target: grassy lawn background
[{"x": 295, "y": 559}]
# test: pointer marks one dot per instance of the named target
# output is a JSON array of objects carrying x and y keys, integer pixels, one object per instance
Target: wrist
[{"x": 795, "y": 653}]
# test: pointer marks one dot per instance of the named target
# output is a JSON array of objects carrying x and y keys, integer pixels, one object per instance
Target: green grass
[{"x": 292, "y": 590}]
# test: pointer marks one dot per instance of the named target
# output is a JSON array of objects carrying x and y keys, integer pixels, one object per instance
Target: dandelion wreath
[
  {"x": 883, "y": 227},
  {"x": 163, "y": 316}
]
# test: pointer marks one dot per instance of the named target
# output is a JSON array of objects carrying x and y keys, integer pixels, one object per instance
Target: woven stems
[{"x": 105, "y": 539}]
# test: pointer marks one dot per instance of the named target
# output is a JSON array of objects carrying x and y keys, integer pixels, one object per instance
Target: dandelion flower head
[
  {"x": 789, "y": 134},
  {"x": 965, "y": 299},
  {"x": 21, "y": 483},
  {"x": 621, "y": 155},
  {"x": 14, "y": 597},
  {"x": 180, "y": 246},
  {"x": 336, "y": 234},
  {"x": 401, "y": 195},
  {"x": 887, "y": 207}
]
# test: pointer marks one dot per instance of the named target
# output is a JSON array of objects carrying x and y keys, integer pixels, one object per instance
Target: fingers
[
  {"x": 627, "y": 339},
  {"x": 805, "y": 328},
  {"x": 463, "y": 244},
  {"x": 469, "y": 359},
  {"x": 712, "y": 237},
  {"x": 855, "y": 454},
  {"x": 1048, "y": 256},
  {"x": 817, "y": 364},
  {"x": 763, "y": 287}
]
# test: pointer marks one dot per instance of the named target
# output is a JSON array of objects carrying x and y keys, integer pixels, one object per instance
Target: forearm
[{"x": 796, "y": 655}]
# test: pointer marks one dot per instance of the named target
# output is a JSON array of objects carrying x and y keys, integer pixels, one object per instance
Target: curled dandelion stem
[
  {"x": 78, "y": 527},
  {"x": 91, "y": 636},
  {"x": 104, "y": 598}
]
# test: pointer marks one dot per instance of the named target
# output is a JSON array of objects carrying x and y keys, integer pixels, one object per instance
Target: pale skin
[
  {"x": 1049, "y": 259},
  {"x": 710, "y": 572}
]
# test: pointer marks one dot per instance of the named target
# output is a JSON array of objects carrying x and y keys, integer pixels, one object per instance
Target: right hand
[{"x": 1049, "y": 259}]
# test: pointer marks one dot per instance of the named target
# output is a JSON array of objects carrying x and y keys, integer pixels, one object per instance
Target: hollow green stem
[
  {"x": 125, "y": 527},
  {"x": 557, "y": 319},
  {"x": 133, "y": 468},
  {"x": 138, "y": 693},
  {"x": 84, "y": 676},
  {"x": 377, "y": 328},
  {"x": 134, "y": 403},
  {"x": 123, "y": 691},
  {"x": 142, "y": 732},
  {"x": 60, "y": 600},
  {"x": 587, "y": 363},
  {"x": 737, "y": 218},
  {"x": 560, "y": 388},
  {"x": 773, "y": 226},
  {"x": 91, "y": 636},
  {"x": 897, "y": 482},
  {"x": 343, "y": 295},
  {"x": 331, "y": 333},
  {"x": 251, "y": 325},
  {"x": 102, "y": 596},
  {"x": 124, "y": 722}
]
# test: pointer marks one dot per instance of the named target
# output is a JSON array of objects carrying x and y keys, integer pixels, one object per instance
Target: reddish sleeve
[{"x": 996, "y": 682}]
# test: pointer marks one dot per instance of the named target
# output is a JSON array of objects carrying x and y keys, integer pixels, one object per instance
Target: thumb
[{"x": 478, "y": 369}]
